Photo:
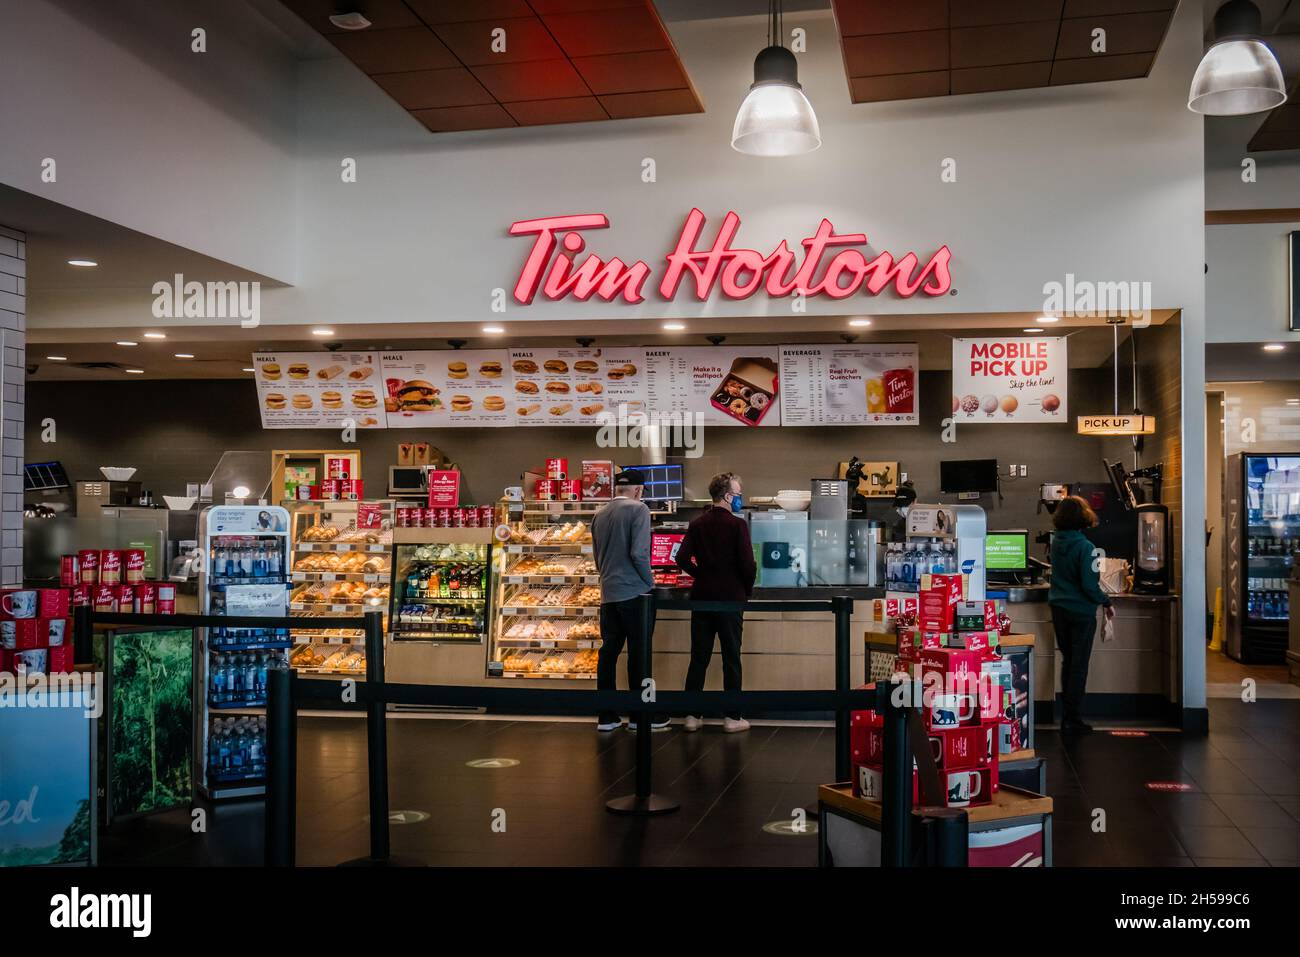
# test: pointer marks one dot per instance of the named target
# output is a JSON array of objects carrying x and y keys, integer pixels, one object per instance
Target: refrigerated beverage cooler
[{"x": 1262, "y": 517}]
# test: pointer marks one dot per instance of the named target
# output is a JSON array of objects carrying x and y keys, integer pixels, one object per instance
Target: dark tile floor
[{"x": 1243, "y": 807}]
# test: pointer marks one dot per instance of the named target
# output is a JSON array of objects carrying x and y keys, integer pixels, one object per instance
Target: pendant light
[
  {"x": 775, "y": 118},
  {"x": 1238, "y": 74}
]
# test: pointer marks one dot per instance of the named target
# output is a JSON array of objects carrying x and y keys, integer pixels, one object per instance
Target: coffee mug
[
  {"x": 32, "y": 661},
  {"x": 963, "y": 787},
  {"x": 9, "y": 634},
  {"x": 19, "y": 604},
  {"x": 870, "y": 783},
  {"x": 57, "y": 628},
  {"x": 950, "y": 710}
]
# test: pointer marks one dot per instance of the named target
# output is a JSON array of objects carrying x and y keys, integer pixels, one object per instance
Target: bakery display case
[
  {"x": 441, "y": 585},
  {"x": 547, "y": 594},
  {"x": 341, "y": 565}
]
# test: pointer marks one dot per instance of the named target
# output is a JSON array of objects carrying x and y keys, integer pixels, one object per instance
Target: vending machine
[{"x": 245, "y": 571}]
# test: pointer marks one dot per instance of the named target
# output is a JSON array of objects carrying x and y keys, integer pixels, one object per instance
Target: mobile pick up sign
[{"x": 1012, "y": 379}]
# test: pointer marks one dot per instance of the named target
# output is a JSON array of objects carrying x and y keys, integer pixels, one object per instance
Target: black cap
[{"x": 625, "y": 478}]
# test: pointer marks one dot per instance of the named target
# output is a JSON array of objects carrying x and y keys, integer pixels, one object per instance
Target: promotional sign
[
  {"x": 1012, "y": 379},
  {"x": 739, "y": 385},
  {"x": 849, "y": 384},
  {"x": 663, "y": 548},
  {"x": 697, "y": 265},
  {"x": 444, "y": 488},
  {"x": 370, "y": 515},
  {"x": 448, "y": 388},
  {"x": 318, "y": 390},
  {"x": 575, "y": 386}
]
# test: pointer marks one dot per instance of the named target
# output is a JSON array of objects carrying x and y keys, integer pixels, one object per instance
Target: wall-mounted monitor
[
  {"x": 1007, "y": 550},
  {"x": 968, "y": 475}
]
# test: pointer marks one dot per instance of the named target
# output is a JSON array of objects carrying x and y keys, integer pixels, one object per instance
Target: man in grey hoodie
[{"x": 620, "y": 536}]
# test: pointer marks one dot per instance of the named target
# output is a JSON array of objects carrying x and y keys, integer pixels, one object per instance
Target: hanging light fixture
[
  {"x": 1238, "y": 74},
  {"x": 775, "y": 118}
]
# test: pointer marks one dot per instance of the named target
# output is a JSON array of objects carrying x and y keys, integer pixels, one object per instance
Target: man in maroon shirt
[{"x": 716, "y": 553}]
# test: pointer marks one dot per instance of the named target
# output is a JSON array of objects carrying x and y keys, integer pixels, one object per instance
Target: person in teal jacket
[{"x": 1074, "y": 597}]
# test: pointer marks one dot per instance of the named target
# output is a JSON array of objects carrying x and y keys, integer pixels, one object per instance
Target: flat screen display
[
  {"x": 663, "y": 483},
  {"x": 1006, "y": 551},
  {"x": 968, "y": 475}
]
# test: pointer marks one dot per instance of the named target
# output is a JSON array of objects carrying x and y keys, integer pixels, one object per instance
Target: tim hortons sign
[{"x": 826, "y": 268}]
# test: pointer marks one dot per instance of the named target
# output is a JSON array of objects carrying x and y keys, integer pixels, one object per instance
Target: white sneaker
[
  {"x": 692, "y": 723},
  {"x": 734, "y": 725},
  {"x": 609, "y": 725}
]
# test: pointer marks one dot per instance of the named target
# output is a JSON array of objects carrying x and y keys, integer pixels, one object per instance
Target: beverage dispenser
[{"x": 1153, "y": 552}]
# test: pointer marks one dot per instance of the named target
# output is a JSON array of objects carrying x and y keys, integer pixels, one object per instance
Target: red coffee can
[
  {"x": 146, "y": 598},
  {"x": 471, "y": 517},
  {"x": 329, "y": 489},
  {"x": 557, "y": 469},
  {"x": 486, "y": 516},
  {"x": 571, "y": 490},
  {"x": 69, "y": 571},
  {"x": 81, "y": 595},
  {"x": 105, "y": 598},
  {"x": 126, "y": 599},
  {"x": 457, "y": 517},
  {"x": 545, "y": 490},
  {"x": 110, "y": 567},
  {"x": 133, "y": 562},
  {"x": 166, "y": 598},
  {"x": 443, "y": 517},
  {"x": 88, "y": 566},
  {"x": 337, "y": 468},
  {"x": 354, "y": 490}
]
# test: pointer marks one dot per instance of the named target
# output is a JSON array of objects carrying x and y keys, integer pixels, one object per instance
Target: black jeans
[
  {"x": 1074, "y": 636},
  {"x": 621, "y": 623},
  {"x": 726, "y": 626}
]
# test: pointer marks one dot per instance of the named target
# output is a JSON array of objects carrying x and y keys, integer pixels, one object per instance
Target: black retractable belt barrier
[
  {"x": 376, "y": 745},
  {"x": 896, "y": 801},
  {"x": 843, "y": 612},
  {"x": 947, "y": 837},
  {"x": 83, "y": 651},
  {"x": 281, "y": 767}
]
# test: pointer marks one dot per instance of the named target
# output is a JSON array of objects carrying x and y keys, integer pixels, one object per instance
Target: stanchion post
[
  {"x": 843, "y": 609},
  {"x": 947, "y": 837},
  {"x": 377, "y": 738},
  {"x": 896, "y": 803},
  {"x": 83, "y": 651},
  {"x": 281, "y": 767}
]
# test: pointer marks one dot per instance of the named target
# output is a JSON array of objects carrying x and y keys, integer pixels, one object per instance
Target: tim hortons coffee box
[
  {"x": 977, "y": 615},
  {"x": 998, "y": 693},
  {"x": 936, "y": 612},
  {"x": 953, "y": 587},
  {"x": 913, "y": 640},
  {"x": 958, "y": 748},
  {"x": 955, "y": 662},
  {"x": 973, "y": 640}
]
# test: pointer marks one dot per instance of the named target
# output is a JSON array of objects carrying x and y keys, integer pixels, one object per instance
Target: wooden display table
[{"x": 1015, "y": 830}]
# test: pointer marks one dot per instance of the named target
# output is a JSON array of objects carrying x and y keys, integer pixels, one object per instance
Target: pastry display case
[
  {"x": 441, "y": 585},
  {"x": 547, "y": 594},
  {"x": 341, "y": 565}
]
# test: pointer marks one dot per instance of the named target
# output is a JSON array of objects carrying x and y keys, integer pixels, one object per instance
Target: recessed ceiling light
[
  {"x": 674, "y": 326},
  {"x": 1033, "y": 329},
  {"x": 82, "y": 262},
  {"x": 494, "y": 330},
  {"x": 134, "y": 371},
  {"x": 322, "y": 332},
  {"x": 1293, "y": 401},
  {"x": 57, "y": 358},
  {"x": 126, "y": 342},
  {"x": 1048, "y": 319},
  {"x": 155, "y": 335},
  {"x": 184, "y": 355},
  {"x": 859, "y": 323},
  {"x": 1274, "y": 347},
  {"x": 250, "y": 370}
]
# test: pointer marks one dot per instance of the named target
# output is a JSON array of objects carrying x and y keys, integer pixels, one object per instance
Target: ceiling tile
[
  {"x": 394, "y": 51},
  {"x": 862, "y": 17},
  {"x": 384, "y": 14},
  {"x": 526, "y": 39},
  {"x": 534, "y": 80},
  {"x": 974, "y": 13},
  {"x": 1130, "y": 33},
  {"x": 884, "y": 53},
  {"x": 1098, "y": 69},
  {"x": 598, "y": 32},
  {"x": 632, "y": 72},
  {"x": 1097, "y": 8},
  {"x": 427, "y": 89},
  {"x": 454, "y": 118},
  {"x": 1004, "y": 43},
  {"x": 582, "y": 109},
  {"x": 1016, "y": 76},
  {"x": 661, "y": 103},
  {"x": 574, "y": 6},
  {"x": 459, "y": 11},
  {"x": 905, "y": 86}
]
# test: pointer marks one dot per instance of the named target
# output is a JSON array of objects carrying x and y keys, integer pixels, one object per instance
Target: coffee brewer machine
[{"x": 1153, "y": 557}]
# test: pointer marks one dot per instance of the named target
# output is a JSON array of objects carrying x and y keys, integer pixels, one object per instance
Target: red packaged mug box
[
  {"x": 54, "y": 602},
  {"x": 60, "y": 659},
  {"x": 21, "y": 634},
  {"x": 911, "y": 641}
]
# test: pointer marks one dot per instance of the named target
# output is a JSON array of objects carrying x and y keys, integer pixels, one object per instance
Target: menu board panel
[
  {"x": 446, "y": 389},
  {"x": 1012, "y": 379},
  {"x": 723, "y": 386},
  {"x": 850, "y": 384},
  {"x": 318, "y": 390},
  {"x": 574, "y": 386}
]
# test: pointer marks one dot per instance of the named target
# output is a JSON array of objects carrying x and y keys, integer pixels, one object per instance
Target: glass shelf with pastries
[
  {"x": 547, "y": 598},
  {"x": 442, "y": 585},
  {"x": 341, "y": 566}
]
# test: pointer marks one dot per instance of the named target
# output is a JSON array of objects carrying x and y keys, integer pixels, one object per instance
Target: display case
[
  {"x": 547, "y": 594},
  {"x": 442, "y": 585},
  {"x": 342, "y": 566},
  {"x": 245, "y": 561}
]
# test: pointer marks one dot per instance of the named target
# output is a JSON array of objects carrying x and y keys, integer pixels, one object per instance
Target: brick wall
[{"x": 13, "y": 338}]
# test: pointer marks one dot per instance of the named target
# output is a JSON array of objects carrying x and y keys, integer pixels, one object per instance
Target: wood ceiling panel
[
  {"x": 434, "y": 12},
  {"x": 1004, "y": 43},
  {"x": 602, "y": 32},
  {"x": 525, "y": 39},
  {"x": 384, "y": 14},
  {"x": 535, "y": 80},
  {"x": 1015, "y": 76},
  {"x": 1101, "y": 8},
  {"x": 901, "y": 86},
  {"x": 1101, "y": 69},
  {"x": 865, "y": 17},
  {"x": 430, "y": 89},
  {"x": 885, "y": 53},
  {"x": 623, "y": 106},
  {"x": 976, "y": 13},
  {"x": 394, "y": 51},
  {"x": 632, "y": 72},
  {"x": 1125, "y": 33},
  {"x": 452, "y": 119},
  {"x": 582, "y": 109}
]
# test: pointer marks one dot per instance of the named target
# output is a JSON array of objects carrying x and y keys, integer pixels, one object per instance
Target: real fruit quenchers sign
[{"x": 1010, "y": 379}]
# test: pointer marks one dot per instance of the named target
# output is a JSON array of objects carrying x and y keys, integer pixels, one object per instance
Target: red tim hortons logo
[{"x": 828, "y": 265}]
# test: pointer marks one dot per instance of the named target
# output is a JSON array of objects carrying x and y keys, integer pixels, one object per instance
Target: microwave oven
[{"x": 407, "y": 481}]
